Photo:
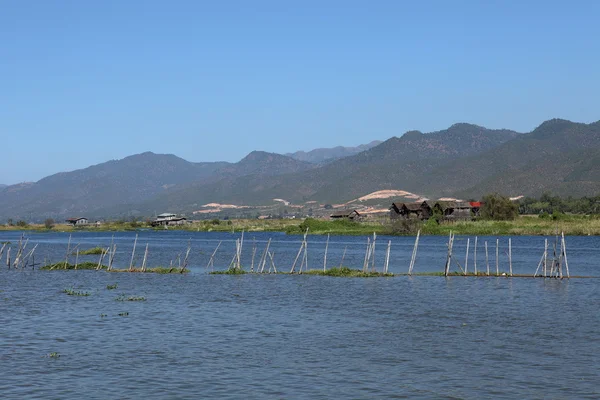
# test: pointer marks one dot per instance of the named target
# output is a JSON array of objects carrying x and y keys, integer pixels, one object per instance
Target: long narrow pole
[
  {"x": 373, "y": 252},
  {"x": 467, "y": 255},
  {"x": 343, "y": 255},
  {"x": 387, "y": 257},
  {"x": 325, "y": 256},
  {"x": 145, "y": 258},
  {"x": 497, "y": 244},
  {"x": 414, "y": 253},
  {"x": 564, "y": 246},
  {"x": 545, "y": 258},
  {"x": 475, "y": 256},
  {"x": 367, "y": 255},
  {"x": 487, "y": 260},
  {"x": 510, "y": 257},
  {"x": 133, "y": 253}
]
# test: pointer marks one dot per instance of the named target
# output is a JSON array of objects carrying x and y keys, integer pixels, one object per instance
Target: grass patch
[
  {"x": 347, "y": 272},
  {"x": 112, "y": 287},
  {"x": 54, "y": 354},
  {"x": 123, "y": 314},
  {"x": 66, "y": 266},
  {"x": 230, "y": 271},
  {"x": 93, "y": 250},
  {"x": 73, "y": 292}
]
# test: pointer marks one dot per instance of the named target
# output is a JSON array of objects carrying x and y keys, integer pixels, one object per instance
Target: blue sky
[{"x": 84, "y": 82}]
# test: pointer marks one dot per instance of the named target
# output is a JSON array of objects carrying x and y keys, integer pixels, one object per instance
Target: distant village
[{"x": 419, "y": 210}]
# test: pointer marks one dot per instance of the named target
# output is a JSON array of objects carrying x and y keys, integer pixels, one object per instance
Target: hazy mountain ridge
[
  {"x": 322, "y": 155},
  {"x": 462, "y": 161}
]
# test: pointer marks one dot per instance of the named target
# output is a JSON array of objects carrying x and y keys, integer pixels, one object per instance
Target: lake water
[{"x": 281, "y": 336}]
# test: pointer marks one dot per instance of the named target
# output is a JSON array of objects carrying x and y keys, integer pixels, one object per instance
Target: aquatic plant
[
  {"x": 111, "y": 287},
  {"x": 53, "y": 355},
  {"x": 348, "y": 272},
  {"x": 123, "y": 314},
  {"x": 73, "y": 292},
  {"x": 93, "y": 250},
  {"x": 229, "y": 271},
  {"x": 103, "y": 315},
  {"x": 123, "y": 297},
  {"x": 63, "y": 266}
]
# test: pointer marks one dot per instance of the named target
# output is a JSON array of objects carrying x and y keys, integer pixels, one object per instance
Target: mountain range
[{"x": 464, "y": 161}]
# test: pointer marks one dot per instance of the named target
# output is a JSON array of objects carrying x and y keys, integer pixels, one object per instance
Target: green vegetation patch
[
  {"x": 73, "y": 292},
  {"x": 66, "y": 266},
  {"x": 348, "y": 272},
  {"x": 112, "y": 287},
  {"x": 93, "y": 250},
  {"x": 230, "y": 271}
]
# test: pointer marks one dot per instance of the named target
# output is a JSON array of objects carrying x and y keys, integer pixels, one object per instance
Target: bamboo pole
[
  {"x": 510, "y": 256},
  {"x": 467, "y": 255},
  {"x": 187, "y": 254},
  {"x": 487, "y": 260},
  {"x": 343, "y": 255},
  {"x": 497, "y": 252},
  {"x": 475, "y": 256},
  {"x": 211, "y": 262},
  {"x": 305, "y": 259},
  {"x": 297, "y": 257},
  {"x": 366, "y": 255},
  {"x": 145, "y": 259},
  {"x": 545, "y": 258},
  {"x": 373, "y": 252},
  {"x": 8, "y": 258},
  {"x": 414, "y": 253},
  {"x": 325, "y": 256},
  {"x": 133, "y": 253},
  {"x": 111, "y": 258},
  {"x": 564, "y": 246},
  {"x": 387, "y": 257},
  {"x": 271, "y": 255},
  {"x": 266, "y": 253},
  {"x": 68, "y": 250},
  {"x": 76, "y": 258},
  {"x": 449, "y": 255},
  {"x": 102, "y": 255},
  {"x": 2, "y": 249},
  {"x": 253, "y": 255}
]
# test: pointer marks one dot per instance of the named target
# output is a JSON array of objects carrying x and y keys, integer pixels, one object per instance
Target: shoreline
[{"x": 522, "y": 226}]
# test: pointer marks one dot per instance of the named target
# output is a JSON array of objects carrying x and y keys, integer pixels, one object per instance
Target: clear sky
[{"x": 83, "y": 82}]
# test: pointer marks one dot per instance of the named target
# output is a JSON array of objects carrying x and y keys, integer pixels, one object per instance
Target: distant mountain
[
  {"x": 395, "y": 163},
  {"x": 318, "y": 156},
  {"x": 125, "y": 182},
  {"x": 462, "y": 161},
  {"x": 2, "y": 186}
]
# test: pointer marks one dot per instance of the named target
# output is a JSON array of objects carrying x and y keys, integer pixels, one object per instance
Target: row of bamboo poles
[
  {"x": 556, "y": 266},
  {"x": 552, "y": 268}
]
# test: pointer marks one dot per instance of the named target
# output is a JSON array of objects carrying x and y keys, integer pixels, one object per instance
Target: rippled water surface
[{"x": 281, "y": 336}]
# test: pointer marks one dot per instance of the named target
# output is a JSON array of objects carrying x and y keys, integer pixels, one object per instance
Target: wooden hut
[
  {"x": 419, "y": 210},
  {"x": 453, "y": 210},
  {"x": 77, "y": 221},
  {"x": 346, "y": 214}
]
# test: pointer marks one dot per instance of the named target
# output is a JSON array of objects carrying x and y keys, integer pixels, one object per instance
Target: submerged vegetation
[
  {"x": 348, "y": 272},
  {"x": 229, "y": 271},
  {"x": 112, "y": 287},
  {"x": 94, "y": 250},
  {"x": 66, "y": 266},
  {"x": 73, "y": 292}
]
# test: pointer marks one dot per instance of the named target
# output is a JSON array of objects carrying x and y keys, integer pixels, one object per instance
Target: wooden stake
[
  {"x": 187, "y": 253},
  {"x": 475, "y": 256},
  {"x": 76, "y": 258},
  {"x": 271, "y": 255},
  {"x": 414, "y": 253},
  {"x": 68, "y": 250},
  {"x": 133, "y": 253},
  {"x": 497, "y": 244},
  {"x": 564, "y": 246},
  {"x": 145, "y": 258},
  {"x": 8, "y": 258},
  {"x": 112, "y": 257},
  {"x": 467, "y": 256},
  {"x": 510, "y": 256},
  {"x": 211, "y": 262},
  {"x": 373, "y": 252},
  {"x": 387, "y": 257},
  {"x": 367, "y": 255},
  {"x": 253, "y": 255},
  {"x": 265, "y": 254},
  {"x": 487, "y": 260},
  {"x": 324, "y": 257},
  {"x": 545, "y": 258},
  {"x": 343, "y": 255}
]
